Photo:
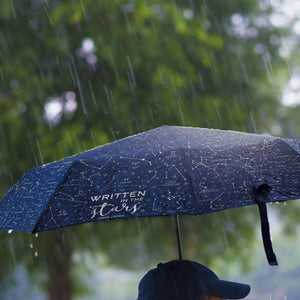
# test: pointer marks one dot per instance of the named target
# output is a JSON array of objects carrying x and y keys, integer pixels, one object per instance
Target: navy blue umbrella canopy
[{"x": 170, "y": 170}]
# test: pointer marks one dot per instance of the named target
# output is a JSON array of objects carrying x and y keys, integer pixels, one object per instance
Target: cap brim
[{"x": 229, "y": 289}]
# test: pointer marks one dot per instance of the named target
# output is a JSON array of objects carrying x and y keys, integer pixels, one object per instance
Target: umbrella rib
[
  {"x": 54, "y": 192},
  {"x": 94, "y": 167}
]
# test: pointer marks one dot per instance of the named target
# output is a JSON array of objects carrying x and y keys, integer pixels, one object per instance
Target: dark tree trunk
[{"x": 59, "y": 266}]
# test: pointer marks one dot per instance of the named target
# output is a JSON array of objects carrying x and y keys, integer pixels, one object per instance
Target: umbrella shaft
[{"x": 178, "y": 236}]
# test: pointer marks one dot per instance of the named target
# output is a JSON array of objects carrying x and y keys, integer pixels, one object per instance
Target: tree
[{"x": 115, "y": 68}]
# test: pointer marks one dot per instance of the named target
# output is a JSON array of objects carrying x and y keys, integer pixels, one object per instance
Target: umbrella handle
[{"x": 178, "y": 235}]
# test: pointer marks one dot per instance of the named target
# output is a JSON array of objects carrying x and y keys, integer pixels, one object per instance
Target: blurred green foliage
[{"x": 132, "y": 66}]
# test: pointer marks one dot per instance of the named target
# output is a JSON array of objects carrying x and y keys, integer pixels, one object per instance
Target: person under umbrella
[{"x": 187, "y": 280}]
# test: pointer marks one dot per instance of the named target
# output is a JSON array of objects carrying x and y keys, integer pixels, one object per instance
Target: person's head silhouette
[{"x": 187, "y": 280}]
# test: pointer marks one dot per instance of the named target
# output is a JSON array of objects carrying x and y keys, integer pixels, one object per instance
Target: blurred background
[{"x": 81, "y": 73}]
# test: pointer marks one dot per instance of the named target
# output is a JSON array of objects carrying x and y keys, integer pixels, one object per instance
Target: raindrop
[
  {"x": 40, "y": 152},
  {"x": 11, "y": 178},
  {"x": 253, "y": 122},
  {"x": 83, "y": 10},
  {"x": 13, "y": 8},
  {"x": 48, "y": 15},
  {"x": 245, "y": 73},
  {"x": 93, "y": 137},
  {"x": 72, "y": 74},
  {"x": 225, "y": 237},
  {"x": 224, "y": 63},
  {"x": 31, "y": 246},
  {"x": 217, "y": 110},
  {"x": 12, "y": 251},
  {"x": 161, "y": 76},
  {"x": 10, "y": 231},
  {"x": 78, "y": 83},
  {"x": 201, "y": 83},
  {"x": 181, "y": 114},
  {"x": 131, "y": 72},
  {"x": 114, "y": 67},
  {"x": 92, "y": 93},
  {"x": 36, "y": 254},
  {"x": 47, "y": 3},
  {"x": 42, "y": 73},
  {"x": 154, "y": 29}
]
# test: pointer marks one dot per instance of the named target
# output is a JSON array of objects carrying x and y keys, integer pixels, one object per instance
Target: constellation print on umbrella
[{"x": 170, "y": 170}]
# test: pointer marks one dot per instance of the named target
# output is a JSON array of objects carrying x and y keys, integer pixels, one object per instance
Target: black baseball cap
[{"x": 187, "y": 280}]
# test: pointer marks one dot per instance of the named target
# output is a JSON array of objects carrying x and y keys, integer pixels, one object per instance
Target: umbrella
[{"x": 169, "y": 170}]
